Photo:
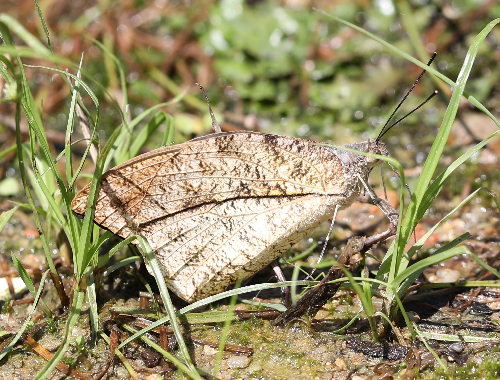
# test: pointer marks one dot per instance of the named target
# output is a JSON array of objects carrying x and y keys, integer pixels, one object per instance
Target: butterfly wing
[
  {"x": 206, "y": 170},
  {"x": 206, "y": 183},
  {"x": 204, "y": 249}
]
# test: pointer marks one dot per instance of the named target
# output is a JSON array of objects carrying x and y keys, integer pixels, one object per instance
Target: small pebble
[
  {"x": 154, "y": 377},
  {"x": 237, "y": 361},
  {"x": 339, "y": 362},
  {"x": 319, "y": 350},
  {"x": 207, "y": 350},
  {"x": 78, "y": 331},
  {"x": 254, "y": 367},
  {"x": 121, "y": 373},
  {"x": 448, "y": 275}
]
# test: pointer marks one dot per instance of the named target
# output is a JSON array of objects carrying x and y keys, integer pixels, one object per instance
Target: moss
[
  {"x": 346, "y": 299},
  {"x": 251, "y": 324},
  {"x": 240, "y": 337},
  {"x": 488, "y": 370},
  {"x": 256, "y": 374}
]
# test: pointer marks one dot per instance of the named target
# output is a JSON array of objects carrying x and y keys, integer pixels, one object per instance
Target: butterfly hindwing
[
  {"x": 219, "y": 207},
  {"x": 204, "y": 249}
]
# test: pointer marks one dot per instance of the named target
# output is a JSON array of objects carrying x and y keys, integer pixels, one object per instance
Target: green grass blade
[
  {"x": 153, "y": 263},
  {"x": 119, "y": 66},
  {"x": 5, "y": 217},
  {"x": 46, "y": 195},
  {"x": 423, "y": 65},
  {"x": 432, "y": 260},
  {"x": 171, "y": 86},
  {"x": 436, "y": 356},
  {"x": 27, "y": 321},
  {"x": 409, "y": 281},
  {"x": 69, "y": 129},
  {"x": 29, "y": 284},
  {"x": 118, "y": 353},
  {"x": 5, "y": 152},
  {"x": 145, "y": 134},
  {"x": 124, "y": 133},
  {"x": 74, "y": 314},
  {"x": 23, "y": 33},
  {"x": 105, "y": 258},
  {"x": 225, "y": 331},
  {"x": 168, "y": 136},
  {"x": 122, "y": 263},
  {"x": 438, "y": 183},
  {"x": 22, "y": 170},
  {"x": 211, "y": 299},
  {"x": 439, "y": 143},
  {"x": 84, "y": 255},
  {"x": 424, "y": 238},
  {"x": 193, "y": 375}
]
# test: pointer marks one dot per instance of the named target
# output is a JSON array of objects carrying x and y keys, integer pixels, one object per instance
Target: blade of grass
[
  {"x": 414, "y": 249},
  {"x": 29, "y": 284},
  {"x": 225, "y": 331},
  {"x": 5, "y": 217},
  {"x": 27, "y": 321},
  {"x": 133, "y": 124},
  {"x": 84, "y": 254},
  {"x": 24, "y": 179},
  {"x": 423, "y": 65},
  {"x": 23, "y": 33},
  {"x": 171, "y": 86},
  {"x": 73, "y": 316},
  {"x": 428, "y": 261},
  {"x": 412, "y": 277},
  {"x": 119, "y": 66},
  {"x": 105, "y": 258},
  {"x": 456, "y": 338},
  {"x": 193, "y": 375},
  {"x": 69, "y": 128},
  {"x": 168, "y": 136},
  {"x": 121, "y": 264},
  {"x": 411, "y": 216},
  {"x": 438, "y": 183},
  {"x": 155, "y": 268},
  {"x": 436, "y": 356},
  {"x": 124, "y": 360},
  {"x": 144, "y": 135},
  {"x": 5, "y": 152},
  {"x": 211, "y": 299}
]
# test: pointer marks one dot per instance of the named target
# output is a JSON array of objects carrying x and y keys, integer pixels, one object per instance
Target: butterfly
[{"x": 221, "y": 207}]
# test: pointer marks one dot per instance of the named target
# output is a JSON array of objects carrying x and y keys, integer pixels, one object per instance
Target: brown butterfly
[{"x": 221, "y": 207}]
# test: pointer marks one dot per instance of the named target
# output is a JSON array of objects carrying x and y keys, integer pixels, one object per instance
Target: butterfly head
[
  {"x": 370, "y": 146},
  {"x": 375, "y": 147}
]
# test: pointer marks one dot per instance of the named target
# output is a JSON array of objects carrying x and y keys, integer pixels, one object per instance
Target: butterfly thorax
[{"x": 357, "y": 167}]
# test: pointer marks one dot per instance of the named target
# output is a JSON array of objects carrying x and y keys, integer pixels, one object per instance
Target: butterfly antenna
[
  {"x": 215, "y": 124},
  {"x": 409, "y": 113},
  {"x": 384, "y": 130}
]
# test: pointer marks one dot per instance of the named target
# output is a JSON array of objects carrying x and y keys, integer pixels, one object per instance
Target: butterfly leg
[
  {"x": 388, "y": 210},
  {"x": 285, "y": 290}
]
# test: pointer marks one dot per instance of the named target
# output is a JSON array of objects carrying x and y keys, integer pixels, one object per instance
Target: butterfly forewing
[{"x": 230, "y": 200}]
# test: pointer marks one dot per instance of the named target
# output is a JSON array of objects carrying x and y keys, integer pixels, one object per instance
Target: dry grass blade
[{"x": 63, "y": 368}]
